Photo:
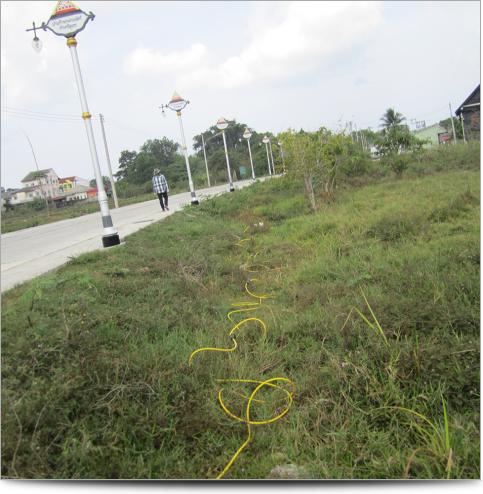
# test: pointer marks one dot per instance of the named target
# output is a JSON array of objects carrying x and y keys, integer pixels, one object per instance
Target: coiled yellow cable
[
  {"x": 239, "y": 307},
  {"x": 246, "y": 419}
]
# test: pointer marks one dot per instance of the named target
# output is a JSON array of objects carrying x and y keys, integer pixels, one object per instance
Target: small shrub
[{"x": 394, "y": 227}]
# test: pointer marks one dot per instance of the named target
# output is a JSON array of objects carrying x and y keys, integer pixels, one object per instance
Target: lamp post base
[
  {"x": 194, "y": 199},
  {"x": 110, "y": 240},
  {"x": 232, "y": 189}
]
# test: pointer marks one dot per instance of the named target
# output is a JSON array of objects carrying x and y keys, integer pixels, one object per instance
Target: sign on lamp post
[{"x": 67, "y": 20}]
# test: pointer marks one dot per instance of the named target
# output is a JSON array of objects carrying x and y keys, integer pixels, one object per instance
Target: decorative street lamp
[
  {"x": 265, "y": 141},
  {"x": 68, "y": 20},
  {"x": 177, "y": 104},
  {"x": 247, "y": 134},
  {"x": 271, "y": 155},
  {"x": 222, "y": 124}
]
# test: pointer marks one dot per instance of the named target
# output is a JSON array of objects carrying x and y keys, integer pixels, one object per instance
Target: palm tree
[{"x": 391, "y": 118}]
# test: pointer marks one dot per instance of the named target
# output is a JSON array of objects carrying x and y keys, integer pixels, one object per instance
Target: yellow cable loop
[
  {"x": 248, "y": 319},
  {"x": 211, "y": 349},
  {"x": 254, "y": 295},
  {"x": 246, "y": 420}
]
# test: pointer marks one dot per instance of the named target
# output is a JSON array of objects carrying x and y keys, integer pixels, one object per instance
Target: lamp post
[
  {"x": 177, "y": 104},
  {"x": 265, "y": 141},
  {"x": 247, "y": 134},
  {"x": 206, "y": 161},
  {"x": 67, "y": 20},
  {"x": 222, "y": 124},
  {"x": 271, "y": 155}
]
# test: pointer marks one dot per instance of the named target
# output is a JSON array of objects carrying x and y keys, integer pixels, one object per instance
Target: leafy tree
[
  {"x": 303, "y": 158},
  {"x": 105, "y": 181},
  {"x": 162, "y": 150},
  {"x": 127, "y": 164}
]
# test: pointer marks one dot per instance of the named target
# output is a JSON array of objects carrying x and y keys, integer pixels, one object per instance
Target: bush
[
  {"x": 398, "y": 163},
  {"x": 37, "y": 205}
]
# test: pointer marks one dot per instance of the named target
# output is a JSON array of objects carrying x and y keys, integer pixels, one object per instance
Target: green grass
[{"x": 374, "y": 317}]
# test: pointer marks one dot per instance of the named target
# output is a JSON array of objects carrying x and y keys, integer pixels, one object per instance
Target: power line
[
  {"x": 22, "y": 110},
  {"x": 41, "y": 119}
]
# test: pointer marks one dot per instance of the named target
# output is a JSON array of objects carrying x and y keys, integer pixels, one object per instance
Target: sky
[{"x": 271, "y": 65}]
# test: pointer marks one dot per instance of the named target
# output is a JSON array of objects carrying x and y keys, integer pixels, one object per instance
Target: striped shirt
[{"x": 159, "y": 184}]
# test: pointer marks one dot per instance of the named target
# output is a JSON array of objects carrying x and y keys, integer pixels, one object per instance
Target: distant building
[
  {"x": 45, "y": 182},
  {"x": 435, "y": 134},
  {"x": 26, "y": 194},
  {"x": 68, "y": 183},
  {"x": 470, "y": 111}
]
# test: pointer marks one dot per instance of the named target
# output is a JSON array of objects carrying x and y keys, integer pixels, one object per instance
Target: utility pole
[
  {"x": 113, "y": 187},
  {"x": 452, "y": 124},
  {"x": 40, "y": 178},
  {"x": 206, "y": 161},
  {"x": 462, "y": 120}
]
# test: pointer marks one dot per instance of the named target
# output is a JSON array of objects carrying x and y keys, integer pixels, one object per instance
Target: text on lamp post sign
[{"x": 67, "y": 20}]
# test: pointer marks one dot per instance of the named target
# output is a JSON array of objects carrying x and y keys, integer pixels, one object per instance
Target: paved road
[{"x": 33, "y": 251}]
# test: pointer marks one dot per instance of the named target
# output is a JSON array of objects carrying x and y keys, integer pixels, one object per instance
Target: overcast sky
[{"x": 273, "y": 65}]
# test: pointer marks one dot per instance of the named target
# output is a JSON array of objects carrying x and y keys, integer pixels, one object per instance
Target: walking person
[{"x": 160, "y": 187}]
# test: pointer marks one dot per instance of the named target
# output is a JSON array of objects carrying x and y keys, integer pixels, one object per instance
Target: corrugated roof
[{"x": 465, "y": 102}]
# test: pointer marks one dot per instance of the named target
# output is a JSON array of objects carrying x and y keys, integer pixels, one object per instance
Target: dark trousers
[{"x": 163, "y": 196}]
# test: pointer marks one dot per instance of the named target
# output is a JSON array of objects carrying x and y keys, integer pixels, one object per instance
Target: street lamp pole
[
  {"x": 177, "y": 104},
  {"x": 206, "y": 161},
  {"x": 266, "y": 140},
  {"x": 247, "y": 134},
  {"x": 67, "y": 20},
  {"x": 271, "y": 155},
  {"x": 113, "y": 185},
  {"x": 222, "y": 124}
]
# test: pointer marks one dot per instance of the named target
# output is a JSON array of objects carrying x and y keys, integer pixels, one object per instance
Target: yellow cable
[
  {"x": 211, "y": 349},
  {"x": 246, "y": 420},
  {"x": 246, "y": 306}
]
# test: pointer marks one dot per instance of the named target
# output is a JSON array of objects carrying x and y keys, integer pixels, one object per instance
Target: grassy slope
[{"x": 95, "y": 376}]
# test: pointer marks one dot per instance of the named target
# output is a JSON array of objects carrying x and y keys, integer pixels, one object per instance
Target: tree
[
  {"x": 162, "y": 150},
  {"x": 127, "y": 164},
  {"x": 303, "y": 154},
  {"x": 105, "y": 181},
  {"x": 391, "y": 119},
  {"x": 395, "y": 139}
]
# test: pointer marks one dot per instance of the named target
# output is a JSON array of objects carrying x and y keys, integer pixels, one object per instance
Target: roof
[
  {"x": 36, "y": 174},
  {"x": 24, "y": 189},
  {"x": 476, "y": 92},
  {"x": 65, "y": 179}
]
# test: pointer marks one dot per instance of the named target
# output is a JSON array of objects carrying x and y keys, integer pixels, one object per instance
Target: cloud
[
  {"x": 287, "y": 39},
  {"x": 154, "y": 62}
]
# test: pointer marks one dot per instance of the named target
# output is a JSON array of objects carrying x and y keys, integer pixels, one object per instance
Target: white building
[{"x": 46, "y": 182}]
